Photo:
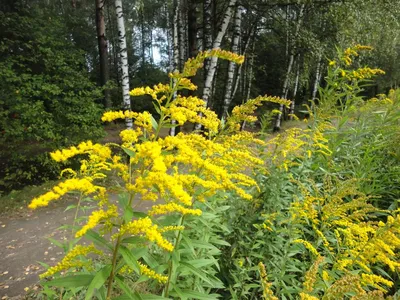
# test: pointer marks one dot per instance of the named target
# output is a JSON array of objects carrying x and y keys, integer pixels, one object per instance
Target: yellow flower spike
[
  {"x": 83, "y": 185},
  {"x": 145, "y": 270},
  {"x": 95, "y": 218},
  {"x": 145, "y": 227},
  {"x": 110, "y": 116},
  {"x": 162, "y": 209},
  {"x": 311, "y": 275},
  {"x": 307, "y": 245},
  {"x": 70, "y": 261},
  {"x": 268, "y": 294}
]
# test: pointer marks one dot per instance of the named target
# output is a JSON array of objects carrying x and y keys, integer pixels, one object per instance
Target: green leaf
[
  {"x": 98, "y": 281},
  {"x": 154, "y": 123},
  {"x": 202, "y": 275},
  {"x": 197, "y": 295},
  {"x": 156, "y": 108},
  {"x": 129, "y": 258},
  {"x": 70, "y": 207},
  {"x": 127, "y": 290},
  {"x": 129, "y": 152},
  {"x": 71, "y": 281},
  {"x": 57, "y": 243},
  {"x": 97, "y": 239}
]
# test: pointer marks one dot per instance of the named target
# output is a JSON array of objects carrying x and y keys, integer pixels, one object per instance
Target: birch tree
[
  {"x": 216, "y": 45},
  {"x": 317, "y": 76},
  {"x": 103, "y": 50},
  {"x": 123, "y": 60},
  {"x": 289, "y": 67},
  {"x": 232, "y": 66},
  {"x": 296, "y": 86},
  {"x": 175, "y": 61}
]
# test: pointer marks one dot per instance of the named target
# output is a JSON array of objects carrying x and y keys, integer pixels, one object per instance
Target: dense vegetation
[
  {"x": 309, "y": 212},
  {"x": 59, "y": 61}
]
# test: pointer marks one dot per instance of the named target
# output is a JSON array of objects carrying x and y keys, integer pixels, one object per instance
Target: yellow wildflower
[
  {"x": 69, "y": 260},
  {"x": 144, "y": 270}
]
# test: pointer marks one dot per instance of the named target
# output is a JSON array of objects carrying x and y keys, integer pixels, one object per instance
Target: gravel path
[{"x": 24, "y": 243}]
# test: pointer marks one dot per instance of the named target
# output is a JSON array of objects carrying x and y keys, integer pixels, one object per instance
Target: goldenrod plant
[
  {"x": 309, "y": 213},
  {"x": 326, "y": 221},
  {"x": 183, "y": 181}
]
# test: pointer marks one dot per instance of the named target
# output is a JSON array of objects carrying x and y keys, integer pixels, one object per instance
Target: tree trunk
[
  {"x": 250, "y": 76},
  {"x": 289, "y": 69},
  {"x": 232, "y": 66},
  {"x": 216, "y": 45},
  {"x": 317, "y": 76},
  {"x": 123, "y": 59},
  {"x": 296, "y": 86},
  {"x": 143, "y": 38},
  {"x": 192, "y": 28},
  {"x": 103, "y": 50},
  {"x": 182, "y": 25},
  {"x": 250, "y": 36},
  {"x": 207, "y": 32},
  {"x": 176, "y": 55}
]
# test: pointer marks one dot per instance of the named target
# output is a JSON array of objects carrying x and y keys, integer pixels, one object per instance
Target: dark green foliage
[{"x": 46, "y": 97}]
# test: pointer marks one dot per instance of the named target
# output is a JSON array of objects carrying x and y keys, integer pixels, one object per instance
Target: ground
[{"x": 24, "y": 239}]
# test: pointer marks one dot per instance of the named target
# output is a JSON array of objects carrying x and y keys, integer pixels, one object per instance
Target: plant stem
[
  {"x": 117, "y": 244},
  {"x": 114, "y": 262},
  {"x": 76, "y": 216},
  {"x": 170, "y": 263}
]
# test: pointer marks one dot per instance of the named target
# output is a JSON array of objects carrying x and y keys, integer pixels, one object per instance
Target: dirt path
[{"x": 24, "y": 242}]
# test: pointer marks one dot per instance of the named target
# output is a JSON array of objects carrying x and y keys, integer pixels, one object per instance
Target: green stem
[
  {"x": 170, "y": 263},
  {"x": 76, "y": 216},
  {"x": 114, "y": 262},
  {"x": 117, "y": 244}
]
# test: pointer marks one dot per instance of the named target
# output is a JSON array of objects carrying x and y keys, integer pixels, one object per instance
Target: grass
[{"x": 16, "y": 200}]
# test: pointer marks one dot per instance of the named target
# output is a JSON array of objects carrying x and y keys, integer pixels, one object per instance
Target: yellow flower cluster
[
  {"x": 353, "y": 51},
  {"x": 244, "y": 112},
  {"x": 311, "y": 275},
  {"x": 192, "y": 65},
  {"x": 361, "y": 73},
  {"x": 192, "y": 109},
  {"x": 164, "y": 89},
  {"x": 83, "y": 185},
  {"x": 268, "y": 294},
  {"x": 307, "y": 245},
  {"x": 163, "y": 209},
  {"x": 144, "y": 270},
  {"x": 361, "y": 243},
  {"x": 375, "y": 280},
  {"x": 172, "y": 228},
  {"x": 110, "y": 116},
  {"x": 96, "y": 217},
  {"x": 130, "y": 136},
  {"x": 145, "y": 227},
  {"x": 83, "y": 148},
  {"x": 71, "y": 261}
]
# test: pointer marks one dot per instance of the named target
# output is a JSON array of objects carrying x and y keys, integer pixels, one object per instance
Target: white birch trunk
[
  {"x": 289, "y": 69},
  {"x": 239, "y": 72},
  {"x": 214, "y": 60},
  {"x": 250, "y": 76},
  {"x": 207, "y": 32},
  {"x": 176, "y": 52},
  {"x": 232, "y": 66},
  {"x": 317, "y": 76},
  {"x": 296, "y": 86},
  {"x": 123, "y": 60}
]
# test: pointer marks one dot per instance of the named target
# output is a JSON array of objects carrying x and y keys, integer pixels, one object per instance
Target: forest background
[{"x": 59, "y": 65}]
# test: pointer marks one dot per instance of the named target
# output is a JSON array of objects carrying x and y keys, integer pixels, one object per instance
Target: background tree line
[{"x": 62, "y": 62}]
